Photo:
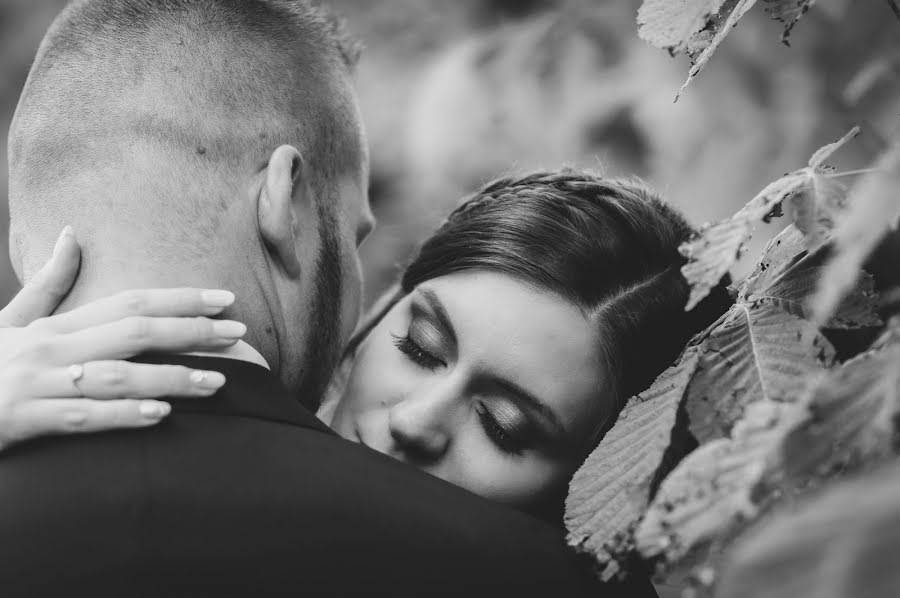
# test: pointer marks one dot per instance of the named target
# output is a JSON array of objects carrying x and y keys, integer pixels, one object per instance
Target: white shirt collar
[{"x": 240, "y": 350}]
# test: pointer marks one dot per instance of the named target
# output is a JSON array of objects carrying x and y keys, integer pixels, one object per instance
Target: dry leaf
[
  {"x": 815, "y": 207},
  {"x": 783, "y": 248},
  {"x": 852, "y": 412},
  {"x": 842, "y": 542},
  {"x": 787, "y": 274},
  {"x": 718, "y": 487},
  {"x": 817, "y": 161},
  {"x": 788, "y": 12},
  {"x": 716, "y": 491},
  {"x": 610, "y": 491},
  {"x": 723, "y": 28},
  {"x": 873, "y": 210},
  {"x": 692, "y": 27},
  {"x": 673, "y": 24},
  {"x": 858, "y": 309},
  {"x": 759, "y": 352},
  {"x": 716, "y": 248}
]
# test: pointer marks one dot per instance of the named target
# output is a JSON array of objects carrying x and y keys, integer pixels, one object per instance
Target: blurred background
[{"x": 455, "y": 93}]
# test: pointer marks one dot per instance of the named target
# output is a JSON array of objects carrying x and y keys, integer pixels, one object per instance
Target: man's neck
[
  {"x": 240, "y": 350},
  {"x": 249, "y": 349}
]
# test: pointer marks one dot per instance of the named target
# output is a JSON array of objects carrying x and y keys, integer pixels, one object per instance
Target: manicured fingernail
[
  {"x": 229, "y": 329},
  {"x": 66, "y": 233},
  {"x": 154, "y": 409},
  {"x": 209, "y": 380},
  {"x": 217, "y": 298}
]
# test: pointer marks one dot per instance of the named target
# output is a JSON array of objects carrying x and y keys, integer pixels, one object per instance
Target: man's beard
[{"x": 324, "y": 334}]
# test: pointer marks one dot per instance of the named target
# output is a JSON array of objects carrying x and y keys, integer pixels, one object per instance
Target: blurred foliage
[
  {"x": 768, "y": 403},
  {"x": 842, "y": 543},
  {"x": 464, "y": 91}
]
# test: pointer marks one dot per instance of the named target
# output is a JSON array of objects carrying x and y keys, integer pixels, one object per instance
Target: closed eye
[
  {"x": 497, "y": 434},
  {"x": 506, "y": 426},
  {"x": 416, "y": 353}
]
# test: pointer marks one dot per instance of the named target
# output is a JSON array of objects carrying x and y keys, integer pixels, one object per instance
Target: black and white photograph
[{"x": 412, "y": 298}]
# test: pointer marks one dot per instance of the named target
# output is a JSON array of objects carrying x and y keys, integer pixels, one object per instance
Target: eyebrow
[{"x": 440, "y": 312}]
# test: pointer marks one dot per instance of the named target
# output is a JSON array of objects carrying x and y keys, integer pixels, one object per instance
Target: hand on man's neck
[{"x": 114, "y": 281}]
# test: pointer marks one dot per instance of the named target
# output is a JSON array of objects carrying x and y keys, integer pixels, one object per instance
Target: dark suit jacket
[{"x": 248, "y": 494}]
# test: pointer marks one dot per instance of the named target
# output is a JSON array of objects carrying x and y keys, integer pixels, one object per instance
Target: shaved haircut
[{"x": 148, "y": 113}]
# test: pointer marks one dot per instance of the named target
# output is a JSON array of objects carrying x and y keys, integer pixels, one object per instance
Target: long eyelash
[
  {"x": 497, "y": 434},
  {"x": 416, "y": 353}
]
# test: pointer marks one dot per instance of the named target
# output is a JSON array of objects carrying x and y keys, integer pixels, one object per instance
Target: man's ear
[{"x": 284, "y": 201}]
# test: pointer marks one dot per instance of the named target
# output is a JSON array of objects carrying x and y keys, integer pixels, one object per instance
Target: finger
[
  {"x": 181, "y": 302},
  {"x": 43, "y": 293},
  {"x": 109, "y": 380},
  {"x": 131, "y": 336},
  {"x": 70, "y": 415}
]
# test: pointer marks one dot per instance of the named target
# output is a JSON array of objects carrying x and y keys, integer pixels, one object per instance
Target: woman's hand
[{"x": 66, "y": 373}]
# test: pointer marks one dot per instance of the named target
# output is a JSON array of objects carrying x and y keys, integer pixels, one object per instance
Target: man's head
[{"x": 201, "y": 142}]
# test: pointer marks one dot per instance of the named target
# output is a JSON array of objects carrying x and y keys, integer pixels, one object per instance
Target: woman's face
[{"x": 480, "y": 380}]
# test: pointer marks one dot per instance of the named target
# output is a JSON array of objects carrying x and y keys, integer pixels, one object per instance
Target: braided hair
[{"x": 608, "y": 246}]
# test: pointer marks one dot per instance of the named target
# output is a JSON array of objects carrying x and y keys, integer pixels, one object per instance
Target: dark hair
[{"x": 609, "y": 246}]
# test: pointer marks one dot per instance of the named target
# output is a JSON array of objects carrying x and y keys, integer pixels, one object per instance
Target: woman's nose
[{"x": 421, "y": 426}]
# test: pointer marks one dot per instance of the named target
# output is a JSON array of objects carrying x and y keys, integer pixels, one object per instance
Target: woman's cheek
[
  {"x": 363, "y": 385},
  {"x": 385, "y": 372},
  {"x": 478, "y": 466},
  {"x": 375, "y": 376},
  {"x": 518, "y": 481}
]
